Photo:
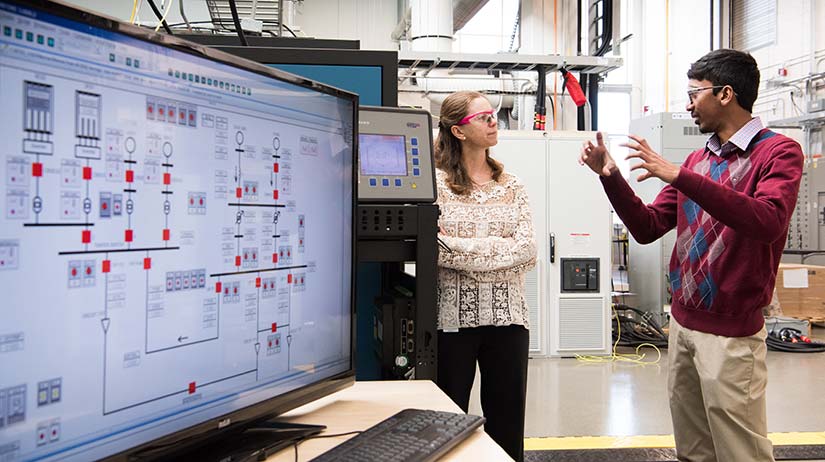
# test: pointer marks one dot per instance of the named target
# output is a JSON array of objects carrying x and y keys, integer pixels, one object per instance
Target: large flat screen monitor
[{"x": 176, "y": 245}]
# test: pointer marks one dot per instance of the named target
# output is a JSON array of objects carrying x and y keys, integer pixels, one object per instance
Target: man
[{"x": 731, "y": 203}]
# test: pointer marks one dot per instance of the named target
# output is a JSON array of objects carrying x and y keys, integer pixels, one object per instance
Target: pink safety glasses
[{"x": 486, "y": 117}]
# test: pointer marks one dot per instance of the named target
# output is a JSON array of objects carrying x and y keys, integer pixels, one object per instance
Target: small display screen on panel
[{"x": 383, "y": 155}]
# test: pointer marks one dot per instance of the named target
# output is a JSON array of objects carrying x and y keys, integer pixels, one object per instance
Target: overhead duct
[
  {"x": 431, "y": 25},
  {"x": 499, "y": 91},
  {"x": 462, "y": 12}
]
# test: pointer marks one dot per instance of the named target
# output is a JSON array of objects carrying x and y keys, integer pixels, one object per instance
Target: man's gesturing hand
[
  {"x": 597, "y": 157},
  {"x": 653, "y": 164}
]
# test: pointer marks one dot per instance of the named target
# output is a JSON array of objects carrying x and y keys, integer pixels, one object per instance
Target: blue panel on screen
[{"x": 364, "y": 80}]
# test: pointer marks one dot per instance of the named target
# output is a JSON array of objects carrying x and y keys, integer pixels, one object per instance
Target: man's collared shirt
[{"x": 741, "y": 139}]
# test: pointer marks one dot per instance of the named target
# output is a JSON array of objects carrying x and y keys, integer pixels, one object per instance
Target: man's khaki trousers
[{"x": 717, "y": 396}]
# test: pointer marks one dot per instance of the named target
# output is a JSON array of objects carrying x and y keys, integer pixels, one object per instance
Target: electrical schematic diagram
[{"x": 174, "y": 247}]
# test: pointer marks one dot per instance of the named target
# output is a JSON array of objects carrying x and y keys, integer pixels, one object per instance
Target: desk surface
[{"x": 367, "y": 403}]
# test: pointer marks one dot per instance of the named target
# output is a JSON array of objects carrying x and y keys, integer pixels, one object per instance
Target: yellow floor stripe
[
  {"x": 652, "y": 441},
  {"x": 796, "y": 438}
]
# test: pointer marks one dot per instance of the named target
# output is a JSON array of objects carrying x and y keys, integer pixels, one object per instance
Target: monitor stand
[{"x": 255, "y": 442}]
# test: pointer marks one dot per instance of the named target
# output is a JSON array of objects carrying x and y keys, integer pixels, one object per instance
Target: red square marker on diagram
[
  {"x": 275, "y": 168},
  {"x": 239, "y": 193},
  {"x": 192, "y": 387},
  {"x": 289, "y": 279},
  {"x": 107, "y": 266},
  {"x": 147, "y": 263},
  {"x": 166, "y": 234},
  {"x": 274, "y": 258},
  {"x": 86, "y": 236},
  {"x": 130, "y": 176},
  {"x": 37, "y": 169},
  {"x": 129, "y": 235},
  {"x": 238, "y": 260},
  {"x": 167, "y": 178},
  {"x": 257, "y": 282},
  {"x": 217, "y": 287},
  {"x": 275, "y": 194},
  {"x": 274, "y": 326},
  {"x": 87, "y": 173}
]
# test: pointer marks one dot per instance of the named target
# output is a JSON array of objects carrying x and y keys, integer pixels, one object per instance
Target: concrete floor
[{"x": 566, "y": 397}]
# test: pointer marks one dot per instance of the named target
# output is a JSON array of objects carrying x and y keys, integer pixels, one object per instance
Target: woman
[{"x": 482, "y": 314}]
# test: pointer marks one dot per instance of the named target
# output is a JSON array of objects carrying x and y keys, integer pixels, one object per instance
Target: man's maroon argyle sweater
[{"x": 731, "y": 215}]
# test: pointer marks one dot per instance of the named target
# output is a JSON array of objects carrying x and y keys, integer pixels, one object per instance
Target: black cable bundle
[
  {"x": 637, "y": 327},
  {"x": 540, "y": 117},
  {"x": 792, "y": 340},
  {"x": 234, "y": 10}
]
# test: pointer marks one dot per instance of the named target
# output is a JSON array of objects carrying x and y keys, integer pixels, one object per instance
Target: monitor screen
[
  {"x": 382, "y": 154},
  {"x": 364, "y": 80},
  {"x": 175, "y": 237},
  {"x": 372, "y": 74}
]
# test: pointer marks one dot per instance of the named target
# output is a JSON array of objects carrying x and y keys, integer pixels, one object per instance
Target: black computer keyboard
[{"x": 412, "y": 435}]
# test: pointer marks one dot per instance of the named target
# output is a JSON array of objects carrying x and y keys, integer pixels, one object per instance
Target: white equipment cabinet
[
  {"x": 673, "y": 135},
  {"x": 569, "y": 313}
]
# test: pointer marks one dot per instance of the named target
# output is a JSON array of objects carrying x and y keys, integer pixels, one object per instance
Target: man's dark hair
[{"x": 729, "y": 67}]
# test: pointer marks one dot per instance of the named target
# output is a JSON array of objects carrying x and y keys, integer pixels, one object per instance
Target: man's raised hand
[{"x": 597, "y": 157}]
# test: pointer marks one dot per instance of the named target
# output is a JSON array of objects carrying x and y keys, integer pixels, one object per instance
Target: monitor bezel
[
  {"x": 272, "y": 407},
  {"x": 221, "y": 37}
]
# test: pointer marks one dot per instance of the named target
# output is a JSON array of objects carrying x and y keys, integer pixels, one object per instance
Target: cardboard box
[{"x": 801, "y": 290}]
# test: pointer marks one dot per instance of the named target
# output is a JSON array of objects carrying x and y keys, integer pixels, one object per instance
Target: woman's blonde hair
[{"x": 448, "y": 147}]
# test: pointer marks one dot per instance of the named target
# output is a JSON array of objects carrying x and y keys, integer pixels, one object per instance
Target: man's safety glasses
[{"x": 692, "y": 92}]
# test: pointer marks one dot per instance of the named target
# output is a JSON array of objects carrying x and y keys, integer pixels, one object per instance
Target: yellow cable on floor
[{"x": 636, "y": 358}]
